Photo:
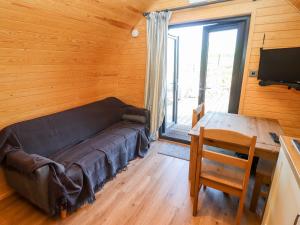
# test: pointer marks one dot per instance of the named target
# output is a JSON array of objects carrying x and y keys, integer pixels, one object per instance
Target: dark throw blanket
[{"x": 78, "y": 170}]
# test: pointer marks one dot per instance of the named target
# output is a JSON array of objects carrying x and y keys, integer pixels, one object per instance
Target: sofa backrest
[{"x": 46, "y": 135}]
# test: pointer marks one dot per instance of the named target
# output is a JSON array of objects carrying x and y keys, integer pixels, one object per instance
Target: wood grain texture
[
  {"x": 56, "y": 54},
  {"x": 251, "y": 126},
  {"x": 198, "y": 113},
  {"x": 277, "y": 19},
  {"x": 153, "y": 190},
  {"x": 5, "y": 191},
  {"x": 265, "y": 147},
  {"x": 296, "y": 3},
  {"x": 220, "y": 171}
]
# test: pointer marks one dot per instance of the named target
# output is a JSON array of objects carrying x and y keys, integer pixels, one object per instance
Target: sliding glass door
[
  {"x": 205, "y": 64},
  {"x": 221, "y": 66},
  {"x": 172, "y": 82}
]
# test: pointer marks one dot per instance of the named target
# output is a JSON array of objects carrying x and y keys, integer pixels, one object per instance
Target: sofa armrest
[
  {"x": 135, "y": 118},
  {"x": 28, "y": 163},
  {"x": 28, "y": 175},
  {"x": 132, "y": 110},
  {"x": 33, "y": 187},
  {"x": 136, "y": 114}
]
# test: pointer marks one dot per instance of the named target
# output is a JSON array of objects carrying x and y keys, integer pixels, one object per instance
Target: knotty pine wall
[
  {"x": 57, "y": 54},
  {"x": 296, "y": 3},
  {"x": 278, "y": 19}
]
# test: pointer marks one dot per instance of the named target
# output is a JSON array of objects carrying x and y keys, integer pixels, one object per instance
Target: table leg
[
  {"x": 256, "y": 192},
  {"x": 193, "y": 161}
]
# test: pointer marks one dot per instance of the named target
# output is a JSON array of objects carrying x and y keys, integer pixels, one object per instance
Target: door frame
[
  {"x": 237, "y": 70},
  {"x": 246, "y": 18},
  {"x": 243, "y": 18},
  {"x": 175, "y": 85}
]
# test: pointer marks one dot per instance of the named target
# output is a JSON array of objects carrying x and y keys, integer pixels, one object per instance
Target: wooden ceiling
[{"x": 296, "y": 3}]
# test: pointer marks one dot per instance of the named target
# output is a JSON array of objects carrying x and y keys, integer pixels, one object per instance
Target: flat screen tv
[{"x": 280, "y": 66}]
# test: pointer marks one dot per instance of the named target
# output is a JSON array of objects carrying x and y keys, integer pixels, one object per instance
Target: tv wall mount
[{"x": 289, "y": 85}]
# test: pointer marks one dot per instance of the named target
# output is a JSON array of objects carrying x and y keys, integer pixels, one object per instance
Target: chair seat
[{"x": 222, "y": 174}]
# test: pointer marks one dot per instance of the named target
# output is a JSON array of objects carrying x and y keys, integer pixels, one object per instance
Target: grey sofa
[{"x": 59, "y": 161}]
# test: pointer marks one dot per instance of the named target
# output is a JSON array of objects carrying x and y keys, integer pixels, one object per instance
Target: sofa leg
[{"x": 63, "y": 213}]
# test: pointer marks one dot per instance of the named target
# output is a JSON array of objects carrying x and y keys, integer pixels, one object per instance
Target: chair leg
[
  {"x": 63, "y": 211},
  {"x": 195, "y": 200},
  {"x": 196, "y": 189},
  {"x": 256, "y": 193},
  {"x": 190, "y": 164},
  {"x": 240, "y": 209},
  {"x": 63, "y": 214}
]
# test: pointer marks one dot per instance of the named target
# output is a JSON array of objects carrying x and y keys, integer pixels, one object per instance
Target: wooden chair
[
  {"x": 198, "y": 113},
  {"x": 263, "y": 177},
  {"x": 220, "y": 171}
]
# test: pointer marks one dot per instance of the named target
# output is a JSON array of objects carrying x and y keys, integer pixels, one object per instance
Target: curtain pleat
[{"x": 155, "y": 84}]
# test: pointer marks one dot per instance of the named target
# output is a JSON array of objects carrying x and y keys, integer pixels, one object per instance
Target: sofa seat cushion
[
  {"x": 118, "y": 134},
  {"x": 92, "y": 162}
]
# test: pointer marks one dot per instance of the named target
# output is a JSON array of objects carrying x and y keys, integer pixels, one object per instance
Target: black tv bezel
[
  {"x": 295, "y": 85},
  {"x": 264, "y": 83}
]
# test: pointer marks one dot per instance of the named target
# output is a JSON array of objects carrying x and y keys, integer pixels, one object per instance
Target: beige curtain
[{"x": 156, "y": 86}]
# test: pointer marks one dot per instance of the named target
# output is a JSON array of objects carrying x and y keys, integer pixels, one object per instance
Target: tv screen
[{"x": 280, "y": 65}]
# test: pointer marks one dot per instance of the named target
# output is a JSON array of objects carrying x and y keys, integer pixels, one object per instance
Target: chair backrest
[
  {"x": 198, "y": 113},
  {"x": 232, "y": 141}
]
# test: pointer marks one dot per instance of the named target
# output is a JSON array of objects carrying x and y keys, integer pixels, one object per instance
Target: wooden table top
[{"x": 251, "y": 126}]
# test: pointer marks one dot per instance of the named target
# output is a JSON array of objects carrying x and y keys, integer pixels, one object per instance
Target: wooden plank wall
[
  {"x": 131, "y": 68},
  {"x": 279, "y": 20},
  {"x": 59, "y": 54},
  {"x": 296, "y": 3},
  {"x": 56, "y": 54}
]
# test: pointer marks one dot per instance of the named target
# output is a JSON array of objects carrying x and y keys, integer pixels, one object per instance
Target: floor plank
[{"x": 153, "y": 190}]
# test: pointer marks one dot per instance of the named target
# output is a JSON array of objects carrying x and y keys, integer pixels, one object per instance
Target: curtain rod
[{"x": 191, "y": 6}]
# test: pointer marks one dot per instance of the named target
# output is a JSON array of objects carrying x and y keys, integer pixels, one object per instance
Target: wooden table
[{"x": 265, "y": 146}]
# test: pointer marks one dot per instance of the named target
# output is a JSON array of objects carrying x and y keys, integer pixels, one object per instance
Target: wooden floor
[{"x": 153, "y": 190}]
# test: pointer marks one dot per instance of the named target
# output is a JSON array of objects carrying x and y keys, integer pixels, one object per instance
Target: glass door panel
[
  {"x": 220, "y": 79},
  {"x": 206, "y": 66},
  {"x": 219, "y": 69},
  {"x": 172, "y": 83}
]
